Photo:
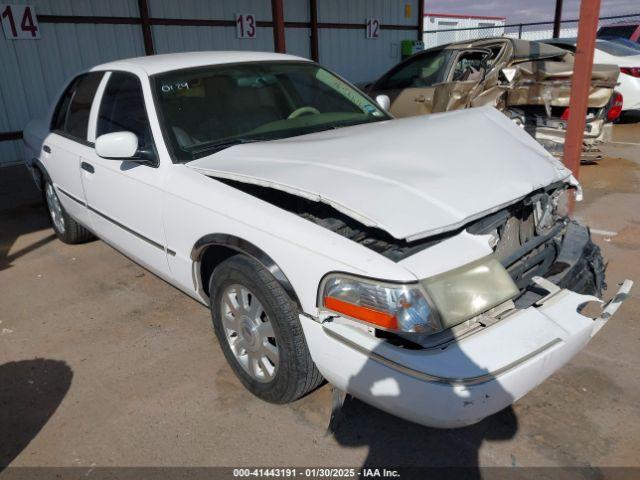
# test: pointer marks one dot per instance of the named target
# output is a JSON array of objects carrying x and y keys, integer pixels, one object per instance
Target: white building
[{"x": 493, "y": 26}]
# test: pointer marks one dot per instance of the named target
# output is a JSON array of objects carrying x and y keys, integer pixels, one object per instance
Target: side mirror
[
  {"x": 117, "y": 146},
  {"x": 384, "y": 102}
]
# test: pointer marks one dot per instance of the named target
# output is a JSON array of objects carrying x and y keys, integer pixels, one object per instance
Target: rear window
[
  {"x": 72, "y": 113},
  {"x": 625, "y": 31}
]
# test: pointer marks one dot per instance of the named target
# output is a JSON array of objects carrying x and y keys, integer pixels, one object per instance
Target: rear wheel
[
  {"x": 66, "y": 228},
  {"x": 259, "y": 331}
]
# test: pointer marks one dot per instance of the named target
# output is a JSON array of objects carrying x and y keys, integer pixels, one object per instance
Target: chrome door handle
[
  {"x": 87, "y": 166},
  {"x": 420, "y": 99}
]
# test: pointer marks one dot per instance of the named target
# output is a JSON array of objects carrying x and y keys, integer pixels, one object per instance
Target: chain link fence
[{"x": 525, "y": 31}]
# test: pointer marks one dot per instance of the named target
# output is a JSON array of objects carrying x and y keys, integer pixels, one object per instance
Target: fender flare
[
  {"x": 34, "y": 164},
  {"x": 241, "y": 246}
]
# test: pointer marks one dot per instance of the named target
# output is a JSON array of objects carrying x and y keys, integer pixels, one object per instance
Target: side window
[
  {"x": 72, "y": 113},
  {"x": 423, "y": 70},
  {"x": 122, "y": 109},
  {"x": 470, "y": 66},
  {"x": 60, "y": 115}
]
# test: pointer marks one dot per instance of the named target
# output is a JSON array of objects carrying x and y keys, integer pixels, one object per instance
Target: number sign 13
[
  {"x": 19, "y": 22},
  {"x": 373, "y": 28},
  {"x": 245, "y": 25}
]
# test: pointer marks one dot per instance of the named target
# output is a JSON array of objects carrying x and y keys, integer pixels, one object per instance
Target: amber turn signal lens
[{"x": 369, "y": 315}]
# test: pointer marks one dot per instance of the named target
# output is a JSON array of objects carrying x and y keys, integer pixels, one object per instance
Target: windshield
[
  {"x": 615, "y": 49},
  {"x": 623, "y": 41},
  {"x": 625, "y": 31},
  {"x": 206, "y": 109}
]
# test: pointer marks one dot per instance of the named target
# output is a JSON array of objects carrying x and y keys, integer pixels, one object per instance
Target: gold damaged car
[{"x": 529, "y": 81}]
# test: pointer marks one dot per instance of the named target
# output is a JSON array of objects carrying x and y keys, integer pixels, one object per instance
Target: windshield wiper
[{"x": 216, "y": 147}]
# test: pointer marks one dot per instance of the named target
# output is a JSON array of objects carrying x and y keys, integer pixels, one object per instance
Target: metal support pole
[
  {"x": 520, "y": 31},
  {"x": 146, "y": 27},
  {"x": 557, "y": 19},
  {"x": 313, "y": 17},
  {"x": 421, "y": 20},
  {"x": 277, "y": 13},
  {"x": 581, "y": 83}
]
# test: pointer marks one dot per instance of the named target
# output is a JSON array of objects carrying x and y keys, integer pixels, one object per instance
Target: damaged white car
[{"x": 439, "y": 284}]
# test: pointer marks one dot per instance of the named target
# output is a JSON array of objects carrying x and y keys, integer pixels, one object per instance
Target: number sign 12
[
  {"x": 19, "y": 22},
  {"x": 373, "y": 28},
  {"x": 245, "y": 25}
]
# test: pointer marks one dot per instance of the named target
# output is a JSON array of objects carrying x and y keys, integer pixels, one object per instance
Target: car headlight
[
  {"x": 426, "y": 307},
  {"x": 467, "y": 291},
  {"x": 389, "y": 306}
]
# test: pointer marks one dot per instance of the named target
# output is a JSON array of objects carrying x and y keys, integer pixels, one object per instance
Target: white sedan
[{"x": 425, "y": 265}]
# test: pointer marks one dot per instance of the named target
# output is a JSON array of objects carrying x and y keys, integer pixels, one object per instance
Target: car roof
[
  {"x": 153, "y": 64},
  {"x": 522, "y": 49},
  {"x": 622, "y": 24},
  {"x": 608, "y": 47}
]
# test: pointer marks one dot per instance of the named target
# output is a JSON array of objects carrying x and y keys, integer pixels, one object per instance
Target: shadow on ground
[
  {"x": 30, "y": 393},
  {"x": 21, "y": 212},
  {"x": 396, "y": 442},
  {"x": 630, "y": 116},
  {"x": 393, "y": 442}
]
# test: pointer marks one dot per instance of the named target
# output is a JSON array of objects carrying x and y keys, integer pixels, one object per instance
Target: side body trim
[{"x": 118, "y": 224}]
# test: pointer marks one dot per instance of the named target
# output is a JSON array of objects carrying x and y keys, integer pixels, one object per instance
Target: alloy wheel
[
  {"x": 55, "y": 209},
  {"x": 249, "y": 332}
]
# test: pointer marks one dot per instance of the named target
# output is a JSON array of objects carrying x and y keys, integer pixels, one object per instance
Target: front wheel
[{"x": 259, "y": 331}]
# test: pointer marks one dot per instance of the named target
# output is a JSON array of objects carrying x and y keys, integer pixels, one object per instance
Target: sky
[{"x": 518, "y": 11}]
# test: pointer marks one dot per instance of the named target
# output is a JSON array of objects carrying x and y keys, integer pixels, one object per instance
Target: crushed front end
[
  {"x": 535, "y": 238},
  {"x": 475, "y": 365}
]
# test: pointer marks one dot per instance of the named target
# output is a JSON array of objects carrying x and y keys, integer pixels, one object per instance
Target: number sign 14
[
  {"x": 245, "y": 25},
  {"x": 19, "y": 22},
  {"x": 373, "y": 28}
]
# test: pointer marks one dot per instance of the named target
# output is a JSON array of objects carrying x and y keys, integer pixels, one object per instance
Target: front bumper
[
  {"x": 467, "y": 380},
  {"x": 554, "y": 131}
]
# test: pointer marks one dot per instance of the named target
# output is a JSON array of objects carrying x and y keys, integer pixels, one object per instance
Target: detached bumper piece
[{"x": 612, "y": 306}]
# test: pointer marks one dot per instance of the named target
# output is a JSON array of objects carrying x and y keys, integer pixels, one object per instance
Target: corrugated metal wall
[
  {"x": 297, "y": 39},
  {"x": 348, "y": 51},
  {"x": 34, "y": 71},
  {"x": 174, "y": 38}
]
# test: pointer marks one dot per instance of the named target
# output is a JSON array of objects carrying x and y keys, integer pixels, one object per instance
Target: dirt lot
[{"x": 102, "y": 363}]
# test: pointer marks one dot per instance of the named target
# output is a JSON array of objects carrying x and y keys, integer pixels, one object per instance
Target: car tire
[
  {"x": 252, "y": 313},
  {"x": 65, "y": 227}
]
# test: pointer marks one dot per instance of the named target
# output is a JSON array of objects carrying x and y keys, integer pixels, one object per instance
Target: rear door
[
  {"x": 411, "y": 85},
  {"x": 68, "y": 142}
]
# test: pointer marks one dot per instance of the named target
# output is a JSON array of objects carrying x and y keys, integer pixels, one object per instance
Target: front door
[
  {"x": 124, "y": 197},
  {"x": 411, "y": 85}
]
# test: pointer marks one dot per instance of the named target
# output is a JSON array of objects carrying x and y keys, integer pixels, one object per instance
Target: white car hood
[{"x": 411, "y": 177}]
